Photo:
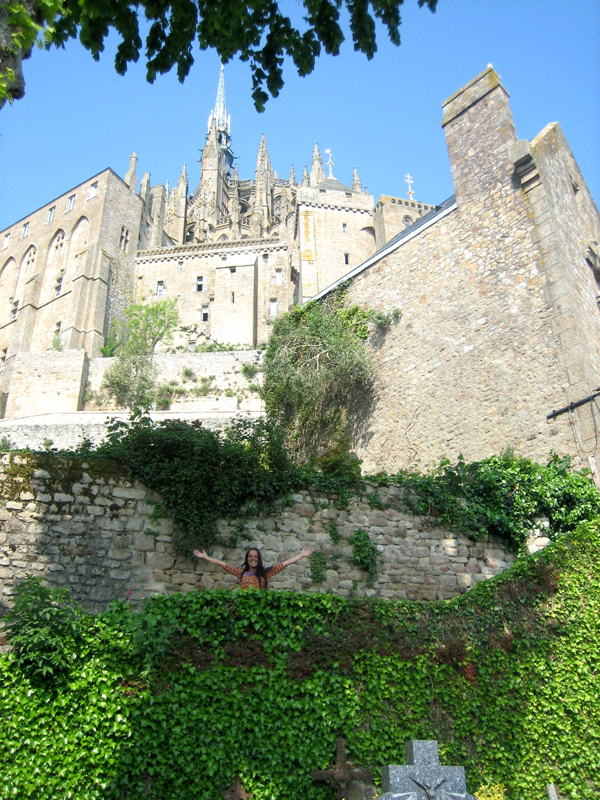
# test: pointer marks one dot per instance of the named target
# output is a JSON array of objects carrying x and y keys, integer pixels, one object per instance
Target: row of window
[
  {"x": 92, "y": 192},
  {"x": 160, "y": 285}
]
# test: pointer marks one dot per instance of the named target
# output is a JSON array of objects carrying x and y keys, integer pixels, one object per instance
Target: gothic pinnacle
[
  {"x": 356, "y": 183},
  {"x": 292, "y": 176}
]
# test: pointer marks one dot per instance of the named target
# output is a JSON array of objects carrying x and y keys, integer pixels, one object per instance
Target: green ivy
[
  {"x": 175, "y": 699},
  {"x": 501, "y": 495},
  {"x": 364, "y": 554},
  {"x": 318, "y": 565}
]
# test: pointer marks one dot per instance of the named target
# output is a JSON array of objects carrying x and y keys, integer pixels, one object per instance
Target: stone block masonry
[{"x": 88, "y": 526}]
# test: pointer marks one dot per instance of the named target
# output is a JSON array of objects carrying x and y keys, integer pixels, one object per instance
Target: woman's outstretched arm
[
  {"x": 203, "y": 555},
  {"x": 308, "y": 551}
]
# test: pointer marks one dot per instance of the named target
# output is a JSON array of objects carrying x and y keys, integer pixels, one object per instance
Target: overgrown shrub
[
  {"x": 203, "y": 475},
  {"x": 317, "y": 371},
  {"x": 502, "y": 495},
  {"x": 43, "y": 628}
]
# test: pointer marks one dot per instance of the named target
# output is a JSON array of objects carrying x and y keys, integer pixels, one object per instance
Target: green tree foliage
[
  {"x": 204, "y": 475},
  {"x": 150, "y": 323},
  {"x": 175, "y": 700},
  {"x": 259, "y": 32},
  {"x": 317, "y": 371},
  {"x": 132, "y": 377}
]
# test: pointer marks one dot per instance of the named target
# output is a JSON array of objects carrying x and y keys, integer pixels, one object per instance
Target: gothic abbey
[{"x": 497, "y": 285}]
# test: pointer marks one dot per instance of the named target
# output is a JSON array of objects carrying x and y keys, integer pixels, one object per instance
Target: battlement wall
[{"x": 87, "y": 526}]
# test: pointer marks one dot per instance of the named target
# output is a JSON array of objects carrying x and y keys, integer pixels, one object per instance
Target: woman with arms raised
[{"x": 253, "y": 575}]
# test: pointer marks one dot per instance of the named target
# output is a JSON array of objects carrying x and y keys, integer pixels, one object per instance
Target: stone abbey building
[{"x": 498, "y": 285}]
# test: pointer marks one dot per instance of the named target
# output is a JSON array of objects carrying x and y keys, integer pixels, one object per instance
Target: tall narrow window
[
  {"x": 5, "y": 241},
  {"x": 57, "y": 327},
  {"x": 273, "y": 307},
  {"x": 24, "y": 230},
  {"x": 14, "y": 309},
  {"x": 346, "y": 258},
  {"x": 30, "y": 260},
  {"x": 199, "y": 283},
  {"x": 344, "y": 228},
  {"x": 124, "y": 240},
  {"x": 51, "y": 214},
  {"x": 58, "y": 287},
  {"x": 233, "y": 297},
  {"x": 70, "y": 202},
  {"x": 160, "y": 288},
  {"x": 407, "y": 222},
  {"x": 204, "y": 313},
  {"x": 3, "y": 358},
  {"x": 278, "y": 277},
  {"x": 93, "y": 190},
  {"x": 180, "y": 266}
]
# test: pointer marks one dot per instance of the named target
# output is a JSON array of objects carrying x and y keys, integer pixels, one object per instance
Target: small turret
[
  {"x": 305, "y": 179},
  {"x": 131, "y": 177},
  {"x": 356, "y": 184}
]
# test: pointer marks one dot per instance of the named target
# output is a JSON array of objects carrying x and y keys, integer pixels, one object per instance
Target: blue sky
[{"x": 382, "y": 116}]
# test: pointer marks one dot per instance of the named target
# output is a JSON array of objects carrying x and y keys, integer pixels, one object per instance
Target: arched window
[
  {"x": 79, "y": 237},
  {"x": 56, "y": 248},
  {"x": 29, "y": 260},
  {"x": 407, "y": 222},
  {"x": 124, "y": 240}
]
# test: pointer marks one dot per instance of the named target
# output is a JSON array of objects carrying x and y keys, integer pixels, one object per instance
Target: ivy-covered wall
[
  {"x": 88, "y": 526},
  {"x": 176, "y": 700}
]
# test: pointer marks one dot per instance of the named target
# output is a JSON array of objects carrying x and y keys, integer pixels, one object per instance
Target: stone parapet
[{"x": 87, "y": 526}]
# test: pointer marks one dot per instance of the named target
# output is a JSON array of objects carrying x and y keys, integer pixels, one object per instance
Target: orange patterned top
[{"x": 248, "y": 580}]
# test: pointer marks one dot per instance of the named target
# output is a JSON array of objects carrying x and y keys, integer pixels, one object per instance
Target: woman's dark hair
[{"x": 261, "y": 572}]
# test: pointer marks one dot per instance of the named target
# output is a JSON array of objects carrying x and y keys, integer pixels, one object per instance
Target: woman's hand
[
  {"x": 308, "y": 551},
  {"x": 201, "y": 554}
]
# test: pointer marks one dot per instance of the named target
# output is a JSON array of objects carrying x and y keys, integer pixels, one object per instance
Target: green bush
[
  {"x": 502, "y": 495},
  {"x": 175, "y": 700},
  {"x": 203, "y": 475},
  {"x": 250, "y": 370},
  {"x": 43, "y": 627}
]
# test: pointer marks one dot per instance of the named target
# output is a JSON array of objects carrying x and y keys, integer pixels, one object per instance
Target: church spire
[{"x": 220, "y": 112}]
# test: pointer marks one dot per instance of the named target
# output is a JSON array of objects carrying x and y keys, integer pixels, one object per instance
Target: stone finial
[
  {"x": 423, "y": 777},
  {"x": 317, "y": 165},
  {"x": 356, "y": 184},
  {"x": 236, "y": 175},
  {"x": 183, "y": 177},
  {"x": 305, "y": 179},
  {"x": 131, "y": 177},
  {"x": 236, "y": 791},
  {"x": 292, "y": 176}
]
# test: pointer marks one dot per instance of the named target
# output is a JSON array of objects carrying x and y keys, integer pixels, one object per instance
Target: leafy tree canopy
[{"x": 258, "y": 32}]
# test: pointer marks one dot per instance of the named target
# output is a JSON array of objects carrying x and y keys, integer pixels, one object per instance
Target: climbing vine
[{"x": 179, "y": 697}]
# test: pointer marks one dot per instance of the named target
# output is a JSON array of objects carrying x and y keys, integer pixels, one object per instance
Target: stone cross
[
  {"x": 423, "y": 778},
  {"x": 330, "y": 164},
  {"x": 342, "y": 773},
  {"x": 409, "y": 181},
  {"x": 236, "y": 791}
]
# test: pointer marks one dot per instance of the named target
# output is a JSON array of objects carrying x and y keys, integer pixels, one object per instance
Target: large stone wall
[
  {"x": 88, "y": 527},
  {"x": 499, "y": 319}
]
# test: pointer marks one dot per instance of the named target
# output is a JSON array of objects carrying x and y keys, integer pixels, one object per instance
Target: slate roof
[{"x": 333, "y": 185}]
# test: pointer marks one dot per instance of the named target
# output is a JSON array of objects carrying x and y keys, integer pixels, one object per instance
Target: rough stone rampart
[{"x": 87, "y": 526}]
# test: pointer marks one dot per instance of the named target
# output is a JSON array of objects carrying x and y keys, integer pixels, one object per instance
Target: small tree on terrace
[{"x": 130, "y": 380}]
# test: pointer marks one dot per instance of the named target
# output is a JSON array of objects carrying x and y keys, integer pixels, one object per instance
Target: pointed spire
[
  {"x": 220, "y": 109},
  {"x": 356, "y": 184},
  {"x": 305, "y": 180},
  {"x": 262, "y": 159},
  {"x": 236, "y": 176},
  {"x": 317, "y": 165},
  {"x": 292, "y": 176},
  {"x": 183, "y": 177}
]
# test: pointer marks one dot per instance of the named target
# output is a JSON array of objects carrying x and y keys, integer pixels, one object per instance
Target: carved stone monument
[{"x": 423, "y": 778}]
